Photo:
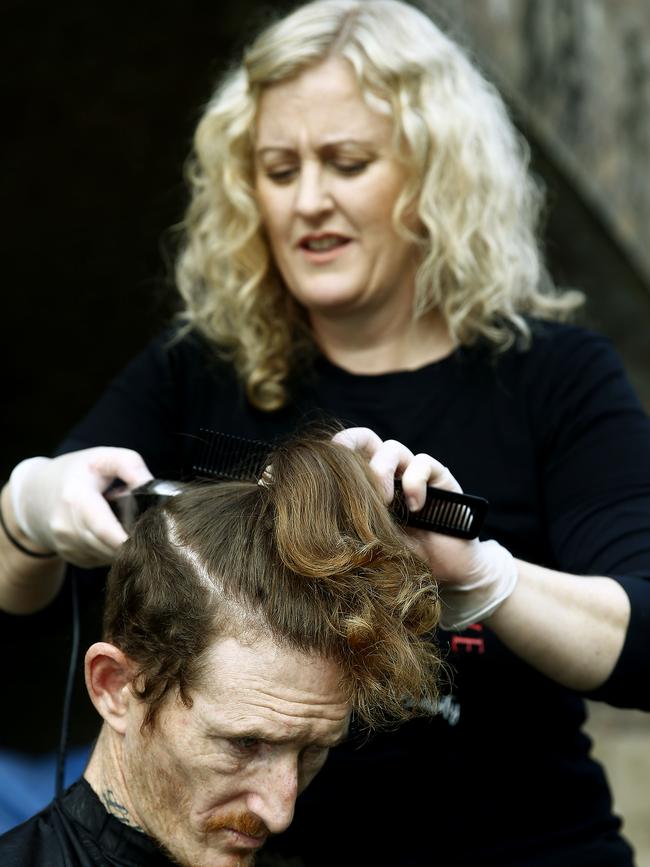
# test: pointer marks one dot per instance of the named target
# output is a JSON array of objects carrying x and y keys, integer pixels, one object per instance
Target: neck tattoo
[{"x": 118, "y": 810}]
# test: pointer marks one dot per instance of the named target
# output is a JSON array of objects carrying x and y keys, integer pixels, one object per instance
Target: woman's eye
[
  {"x": 349, "y": 168},
  {"x": 280, "y": 176}
]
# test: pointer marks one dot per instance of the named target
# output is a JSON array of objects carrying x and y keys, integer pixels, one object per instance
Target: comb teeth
[
  {"x": 445, "y": 512},
  {"x": 225, "y": 456}
]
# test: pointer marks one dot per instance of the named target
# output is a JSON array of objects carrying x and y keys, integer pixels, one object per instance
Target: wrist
[
  {"x": 489, "y": 585},
  {"x": 26, "y": 493},
  {"x": 18, "y": 538}
]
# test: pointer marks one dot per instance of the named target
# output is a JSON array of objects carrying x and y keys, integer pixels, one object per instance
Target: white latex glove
[
  {"x": 474, "y": 577},
  {"x": 58, "y": 503},
  {"x": 489, "y": 583}
]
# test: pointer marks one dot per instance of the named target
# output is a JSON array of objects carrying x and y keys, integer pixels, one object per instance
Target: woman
[{"x": 361, "y": 245}]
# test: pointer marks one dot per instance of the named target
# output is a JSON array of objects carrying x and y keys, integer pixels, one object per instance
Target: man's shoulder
[
  {"x": 76, "y": 831},
  {"x": 64, "y": 834},
  {"x": 39, "y": 842}
]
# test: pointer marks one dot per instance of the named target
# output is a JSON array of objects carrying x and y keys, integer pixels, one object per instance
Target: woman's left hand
[
  {"x": 569, "y": 627},
  {"x": 475, "y": 577}
]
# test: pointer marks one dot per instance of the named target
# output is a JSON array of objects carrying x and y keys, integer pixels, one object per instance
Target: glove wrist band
[{"x": 41, "y": 555}]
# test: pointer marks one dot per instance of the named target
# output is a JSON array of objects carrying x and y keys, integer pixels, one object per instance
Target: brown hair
[{"x": 313, "y": 557}]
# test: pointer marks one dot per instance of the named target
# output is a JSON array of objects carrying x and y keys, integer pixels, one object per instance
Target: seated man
[{"x": 244, "y": 624}]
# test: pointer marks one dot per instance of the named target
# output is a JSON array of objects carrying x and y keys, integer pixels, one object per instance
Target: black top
[
  {"x": 76, "y": 831},
  {"x": 558, "y": 443}
]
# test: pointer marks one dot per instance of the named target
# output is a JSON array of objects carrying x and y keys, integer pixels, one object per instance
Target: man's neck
[{"x": 104, "y": 774}]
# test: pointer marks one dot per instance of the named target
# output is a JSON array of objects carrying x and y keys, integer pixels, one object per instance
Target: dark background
[{"x": 100, "y": 105}]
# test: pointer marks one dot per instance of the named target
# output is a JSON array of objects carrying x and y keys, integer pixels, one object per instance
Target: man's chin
[{"x": 211, "y": 856}]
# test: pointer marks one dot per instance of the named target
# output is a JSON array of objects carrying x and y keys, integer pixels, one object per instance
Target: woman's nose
[{"x": 313, "y": 196}]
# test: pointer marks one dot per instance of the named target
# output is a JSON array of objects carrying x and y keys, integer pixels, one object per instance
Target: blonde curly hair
[{"x": 477, "y": 203}]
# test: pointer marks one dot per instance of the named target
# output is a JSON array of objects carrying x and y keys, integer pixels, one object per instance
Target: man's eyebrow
[{"x": 260, "y": 735}]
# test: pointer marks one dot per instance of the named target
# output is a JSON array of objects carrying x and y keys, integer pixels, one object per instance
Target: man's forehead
[{"x": 283, "y": 692}]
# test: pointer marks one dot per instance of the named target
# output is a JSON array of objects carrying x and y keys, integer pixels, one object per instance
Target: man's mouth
[
  {"x": 246, "y": 840},
  {"x": 244, "y": 830}
]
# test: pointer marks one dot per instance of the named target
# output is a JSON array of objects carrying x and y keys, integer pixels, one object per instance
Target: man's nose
[
  {"x": 274, "y": 794},
  {"x": 312, "y": 192}
]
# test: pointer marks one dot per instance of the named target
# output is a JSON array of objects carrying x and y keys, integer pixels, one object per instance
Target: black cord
[{"x": 67, "y": 700}]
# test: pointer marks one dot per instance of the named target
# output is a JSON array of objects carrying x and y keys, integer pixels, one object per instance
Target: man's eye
[
  {"x": 314, "y": 755},
  {"x": 245, "y": 744}
]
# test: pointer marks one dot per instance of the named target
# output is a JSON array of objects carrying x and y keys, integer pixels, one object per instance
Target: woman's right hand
[{"x": 58, "y": 503}]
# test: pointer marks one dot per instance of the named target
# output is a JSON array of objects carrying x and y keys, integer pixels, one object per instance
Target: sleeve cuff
[{"x": 627, "y": 685}]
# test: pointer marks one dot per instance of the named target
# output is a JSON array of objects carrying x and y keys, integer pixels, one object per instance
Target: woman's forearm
[{"x": 569, "y": 627}]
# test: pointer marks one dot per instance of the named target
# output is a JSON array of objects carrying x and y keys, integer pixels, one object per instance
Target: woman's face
[{"x": 327, "y": 181}]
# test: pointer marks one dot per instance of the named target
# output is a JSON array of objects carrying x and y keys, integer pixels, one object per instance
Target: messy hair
[
  {"x": 312, "y": 558},
  {"x": 469, "y": 183}
]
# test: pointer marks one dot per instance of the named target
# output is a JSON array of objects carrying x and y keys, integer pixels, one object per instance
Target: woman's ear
[{"x": 109, "y": 674}]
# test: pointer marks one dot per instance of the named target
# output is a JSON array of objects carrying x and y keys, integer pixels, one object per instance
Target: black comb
[
  {"x": 224, "y": 456},
  {"x": 444, "y": 512}
]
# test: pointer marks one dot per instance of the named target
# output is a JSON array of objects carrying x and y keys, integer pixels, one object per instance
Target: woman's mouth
[
  {"x": 323, "y": 247},
  {"x": 319, "y": 243}
]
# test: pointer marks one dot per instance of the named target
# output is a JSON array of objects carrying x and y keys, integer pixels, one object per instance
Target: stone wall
[
  {"x": 579, "y": 71},
  {"x": 576, "y": 76}
]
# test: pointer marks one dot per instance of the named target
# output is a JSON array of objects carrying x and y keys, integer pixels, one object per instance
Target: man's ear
[{"x": 109, "y": 674}]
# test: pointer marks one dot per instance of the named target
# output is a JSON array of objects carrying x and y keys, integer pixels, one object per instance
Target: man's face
[{"x": 212, "y": 781}]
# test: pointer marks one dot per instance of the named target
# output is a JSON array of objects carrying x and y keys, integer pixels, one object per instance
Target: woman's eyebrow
[
  {"x": 323, "y": 148},
  {"x": 275, "y": 150}
]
